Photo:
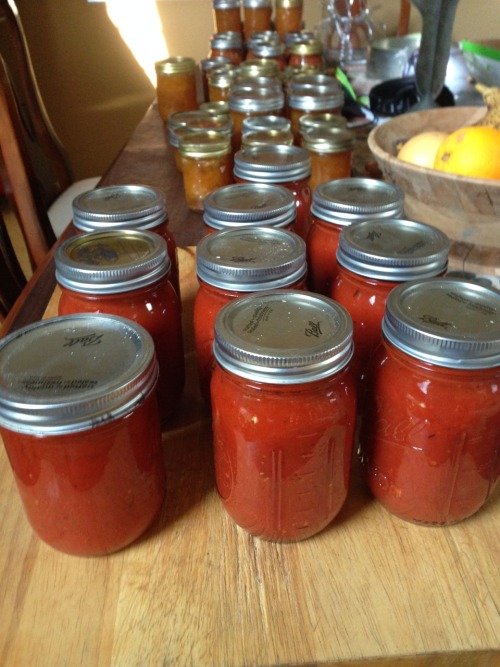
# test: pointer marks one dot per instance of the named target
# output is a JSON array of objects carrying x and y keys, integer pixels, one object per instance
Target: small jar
[
  {"x": 176, "y": 85},
  {"x": 312, "y": 101},
  {"x": 125, "y": 273},
  {"x": 306, "y": 55},
  {"x": 266, "y": 51},
  {"x": 257, "y": 67},
  {"x": 247, "y": 102},
  {"x": 331, "y": 154},
  {"x": 219, "y": 82},
  {"x": 263, "y": 123},
  {"x": 288, "y": 17},
  {"x": 79, "y": 421},
  {"x": 228, "y": 45},
  {"x": 207, "y": 164},
  {"x": 267, "y": 138},
  {"x": 234, "y": 263},
  {"x": 139, "y": 207},
  {"x": 258, "y": 39},
  {"x": 430, "y": 447},
  {"x": 289, "y": 166},
  {"x": 373, "y": 257},
  {"x": 256, "y": 16},
  {"x": 182, "y": 123},
  {"x": 227, "y": 17},
  {"x": 320, "y": 121},
  {"x": 282, "y": 471},
  {"x": 337, "y": 204},
  {"x": 249, "y": 205},
  {"x": 208, "y": 64}
]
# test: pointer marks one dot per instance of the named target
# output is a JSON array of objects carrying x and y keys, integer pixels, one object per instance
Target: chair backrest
[{"x": 12, "y": 278}]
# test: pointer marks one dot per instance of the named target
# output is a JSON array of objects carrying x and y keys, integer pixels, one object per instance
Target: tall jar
[
  {"x": 256, "y": 16},
  {"x": 185, "y": 122},
  {"x": 288, "y": 17},
  {"x": 176, "y": 85},
  {"x": 337, "y": 204},
  {"x": 282, "y": 471},
  {"x": 139, "y": 207},
  {"x": 372, "y": 258},
  {"x": 79, "y": 422},
  {"x": 234, "y": 263},
  {"x": 227, "y": 17},
  {"x": 207, "y": 164},
  {"x": 430, "y": 446},
  {"x": 249, "y": 205},
  {"x": 331, "y": 154},
  {"x": 250, "y": 101},
  {"x": 125, "y": 273},
  {"x": 228, "y": 45},
  {"x": 289, "y": 166}
]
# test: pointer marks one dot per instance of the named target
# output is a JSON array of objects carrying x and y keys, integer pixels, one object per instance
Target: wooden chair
[
  {"x": 12, "y": 279},
  {"x": 35, "y": 169}
]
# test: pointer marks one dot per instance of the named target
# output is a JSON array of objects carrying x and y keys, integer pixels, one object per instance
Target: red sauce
[{"x": 322, "y": 243}]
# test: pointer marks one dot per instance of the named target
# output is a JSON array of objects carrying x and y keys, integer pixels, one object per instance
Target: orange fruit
[
  {"x": 471, "y": 151},
  {"x": 421, "y": 149}
]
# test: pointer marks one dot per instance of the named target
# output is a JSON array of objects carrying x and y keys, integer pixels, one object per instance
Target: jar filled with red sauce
[
  {"x": 254, "y": 100},
  {"x": 283, "y": 412},
  {"x": 79, "y": 422},
  {"x": 207, "y": 64},
  {"x": 331, "y": 154},
  {"x": 430, "y": 445},
  {"x": 227, "y": 17},
  {"x": 140, "y": 207},
  {"x": 337, "y": 204},
  {"x": 288, "y": 17},
  {"x": 312, "y": 94},
  {"x": 207, "y": 164},
  {"x": 228, "y": 45},
  {"x": 373, "y": 257},
  {"x": 289, "y": 166},
  {"x": 125, "y": 273},
  {"x": 249, "y": 205},
  {"x": 256, "y": 16},
  {"x": 176, "y": 85},
  {"x": 180, "y": 124},
  {"x": 234, "y": 263}
]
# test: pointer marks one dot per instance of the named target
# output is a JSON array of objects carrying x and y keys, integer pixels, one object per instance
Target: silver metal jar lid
[
  {"x": 226, "y": 4},
  {"x": 258, "y": 67},
  {"x": 111, "y": 262},
  {"x": 316, "y": 101},
  {"x": 193, "y": 118},
  {"x": 119, "y": 207},
  {"x": 313, "y": 121},
  {"x": 247, "y": 260},
  {"x": 226, "y": 40},
  {"x": 329, "y": 140},
  {"x": 255, "y": 4},
  {"x": 347, "y": 200},
  {"x": 73, "y": 373},
  {"x": 393, "y": 249},
  {"x": 244, "y": 204},
  {"x": 258, "y": 123},
  {"x": 176, "y": 65},
  {"x": 283, "y": 337},
  {"x": 445, "y": 321},
  {"x": 248, "y": 99},
  {"x": 316, "y": 82},
  {"x": 268, "y": 49},
  {"x": 272, "y": 164}
]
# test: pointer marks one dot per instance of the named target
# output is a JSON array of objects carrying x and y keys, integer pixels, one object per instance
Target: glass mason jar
[
  {"x": 207, "y": 64},
  {"x": 249, "y": 205},
  {"x": 319, "y": 121},
  {"x": 176, "y": 85},
  {"x": 219, "y": 82},
  {"x": 430, "y": 446},
  {"x": 227, "y": 17},
  {"x": 268, "y": 51},
  {"x": 337, "y": 204},
  {"x": 234, "y": 263},
  {"x": 373, "y": 257},
  {"x": 266, "y": 138},
  {"x": 207, "y": 164},
  {"x": 306, "y": 55},
  {"x": 250, "y": 101},
  {"x": 331, "y": 154},
  {"x": 125, "y": 273},
  {"x": 282, "y": 361},
  {"x": 185, "y": 122},
  {"x": 256, "y": 16},
  {"x": 288, "y": 17},
  {"x": 289, "y": 166},
  {"x": 228, "y": 45},
  {"x": 253, "y": 67},
  {"x": 79, "y": 421},
  {"x": 264, "y": 123},
  {"x": 312, "y": 99},
  {"x": 139, "y": 207},
  {"x": 215, "y": 108}
]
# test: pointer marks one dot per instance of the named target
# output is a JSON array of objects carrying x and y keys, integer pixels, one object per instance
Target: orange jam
[
  {"x": 331, "y": 154},
  {"x": 206, "y": 65},
  {"x": 228, "y": 45},
  {"x": 288, "y": 17},
  {"x": 176, "y": 85},
  {"x": 79, "y": 421},
  {"x": 249, "y": 101},
  {"x": 284, "y": 410},
  {"x": 256, "y": 16},
  {"x": 306, "y": 55},
  {"x": 312, "y": 94},
  {"x": 227, "y": 16}
]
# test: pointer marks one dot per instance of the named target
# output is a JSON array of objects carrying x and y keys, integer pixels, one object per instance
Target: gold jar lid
[
  {"x": 217, "y": 108},
  {"x": 175, "y": 65},
  {"x": 288, "y": 4},
  {"x": 307, "y": 48},
  {"x": 259, "y": 67},
  {"x": 328, "y": 140},
  {"x": 265, "y": 137},
  {"x": 204, "y": 144},
  {"x": 312, "y": 121}
]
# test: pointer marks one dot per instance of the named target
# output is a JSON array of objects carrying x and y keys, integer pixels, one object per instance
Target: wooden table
[{"x": 197, "y": 590}]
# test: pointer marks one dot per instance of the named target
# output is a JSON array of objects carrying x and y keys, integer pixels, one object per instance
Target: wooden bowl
[{"x": 466, "y": 209}]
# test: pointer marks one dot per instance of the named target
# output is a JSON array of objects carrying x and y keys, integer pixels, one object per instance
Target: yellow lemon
[
  {"x": 471, "y": 151},
  {"x": 421, "y": 149}
]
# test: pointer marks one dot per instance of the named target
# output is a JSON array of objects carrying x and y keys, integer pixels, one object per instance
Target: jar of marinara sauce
[
  {"x": 140, "y": 207},
  {"x": 125, "y": 273},
  {"x": 288, "y": 17},
  {"x": 176, "y": 85},
  {"x": 372, "y": 258},
  {"x": 233, "y": 263},
  {"x": 337, "y": 204},
  {"x": 289, "y": 166},
  {"x": 331, "y": 154},
  {"x": 430, "y": 445},
  {"x": 79, "y": 421},
  {"x": 256, "y": 16},
  {"x": 227, "y": 17},
  {"x": 249, "y": 205},
  {"x": 282, "y": 358}
]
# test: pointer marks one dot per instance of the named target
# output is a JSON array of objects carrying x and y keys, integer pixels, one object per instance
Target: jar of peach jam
[
  {"x": 331, "y": 154},
  {"x": 234, "y": 263},
  {"x": 282, "y": 362},
  {"x": 227, "y": 17},
  {"x": 176, "y": 85},
  {"x": 207, "y": 64},
  {"x": 184, "y": 122},
  {"x": 207, "y": 164},
  {"x": 219, "y": 82},
  {"x": 125, "y": 273},
  {"x": 314, "y": 98},
  {"x": 264, "y": 123},
  {"x": 266, "y": 138},
  {"x": 373, "y": 257},
  {"x": 320, "y": 121},
  {"x": 250, "y": 101},
  {"x": 306, "y": 55},
  {"x": 337, "y": 204},
  {"x": 256, "y": 16},
  {"x": 288, "y": 17},
  {"x": 79, "y": 421},
  {"x": 140, "y": 207},
  {"x": 430, "y": 446},
  {"x": 249, "y": 205},
  {"x": 228, "y": 45},
  {"x": 257, "y": 67},
  {"x": 274, "y": 51}
]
